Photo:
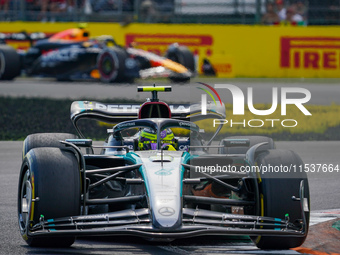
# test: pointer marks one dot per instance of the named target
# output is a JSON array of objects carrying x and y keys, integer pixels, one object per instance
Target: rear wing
[
  {"x": 114, "y": 113},
  {"x": 8, "y": 38}
]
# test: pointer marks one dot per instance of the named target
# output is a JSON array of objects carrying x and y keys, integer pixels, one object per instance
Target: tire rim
[
  {"x": 108, "y": 65},
  {"x": 25, "y": 202}
]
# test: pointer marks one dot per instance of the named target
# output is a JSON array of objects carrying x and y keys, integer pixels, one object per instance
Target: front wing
[{"x": 195, "y": 222}]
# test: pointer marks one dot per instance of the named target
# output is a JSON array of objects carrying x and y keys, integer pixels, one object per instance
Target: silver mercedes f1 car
[{"x": 156, "y": 178}]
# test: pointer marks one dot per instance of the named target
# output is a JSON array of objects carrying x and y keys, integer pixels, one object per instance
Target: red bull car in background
[
  {"x": 73, "y": 55},
  {"x": 155, "y": 177}
]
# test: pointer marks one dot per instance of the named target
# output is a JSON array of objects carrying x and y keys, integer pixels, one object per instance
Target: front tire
[
  {"x": 276, "y": 192},
  {"x": 9, "y": 63},
  {"x": 45, "y": 140},
  {"x": 49, "y": 185}
]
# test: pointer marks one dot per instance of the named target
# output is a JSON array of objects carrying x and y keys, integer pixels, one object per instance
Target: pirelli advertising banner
[{"x": 233, "y": 50}]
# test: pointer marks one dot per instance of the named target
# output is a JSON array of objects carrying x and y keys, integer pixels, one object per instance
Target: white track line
[{"x": 320, "y": 216}]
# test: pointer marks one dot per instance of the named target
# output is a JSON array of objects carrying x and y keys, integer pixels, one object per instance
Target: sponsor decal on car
[
  {"x": 164, "y": 172},
  {"x": 166, "y": 211},
  {"x": 68, "y": 54},
  {"x": 133, "y": 107}
]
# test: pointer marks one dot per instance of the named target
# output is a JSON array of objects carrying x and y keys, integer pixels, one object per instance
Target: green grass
[{"x": 20, "y": 117}]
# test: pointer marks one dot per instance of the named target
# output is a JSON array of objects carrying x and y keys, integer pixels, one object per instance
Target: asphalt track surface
[
  {"x": 324, "y": 187},
  {"x": 323, "y": 92}
]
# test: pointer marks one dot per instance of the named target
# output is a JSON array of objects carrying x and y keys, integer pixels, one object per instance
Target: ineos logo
[{"x": 166, "y": 211}]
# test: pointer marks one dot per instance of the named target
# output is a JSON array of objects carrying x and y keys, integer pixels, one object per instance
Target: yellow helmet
[{"x": 148, "y": 139}]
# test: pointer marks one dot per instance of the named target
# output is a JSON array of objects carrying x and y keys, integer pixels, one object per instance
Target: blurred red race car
[{"x": 73, "y": 55}]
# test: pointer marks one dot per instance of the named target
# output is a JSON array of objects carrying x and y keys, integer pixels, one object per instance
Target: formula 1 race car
[
  {"x": 156, "y": 178},
  {"x": 72, "y": 55}
]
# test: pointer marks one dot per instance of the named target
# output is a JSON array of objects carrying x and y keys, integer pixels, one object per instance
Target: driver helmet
[{"x": 147, "y": 139}]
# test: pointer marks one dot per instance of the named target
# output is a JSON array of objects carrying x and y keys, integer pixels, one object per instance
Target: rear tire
[
  {"x": 45, "y": 140},
  {"x": 53, "y": 176},
  {"x": 9, "y": 63},
  {"x": 111, "y": 64},
  {"x": 183, "y": 56},
  {"x": 276, "y": 191}
]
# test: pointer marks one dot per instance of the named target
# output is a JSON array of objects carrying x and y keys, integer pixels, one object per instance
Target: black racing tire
[
  {"x": 111, "y": 64},
  {"x": 178, "y": 79},
  {"x": 51, "y": 177},
  {"x": 276, "y": 191},
  {"x": 45, "y": 140},
  {"x": 253, "y": 140},
  {"x": 10, "y": 66},
  {"x": 183, "y": 56}
]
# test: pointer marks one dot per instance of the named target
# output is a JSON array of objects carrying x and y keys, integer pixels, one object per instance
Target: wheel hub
[{"x": 25, "y": 202}]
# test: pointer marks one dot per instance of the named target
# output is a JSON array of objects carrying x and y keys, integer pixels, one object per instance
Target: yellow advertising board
[{"x": 233, "y": 50}]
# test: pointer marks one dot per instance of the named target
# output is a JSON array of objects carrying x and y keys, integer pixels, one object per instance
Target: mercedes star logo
[{"x": 166, "y": 211}]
